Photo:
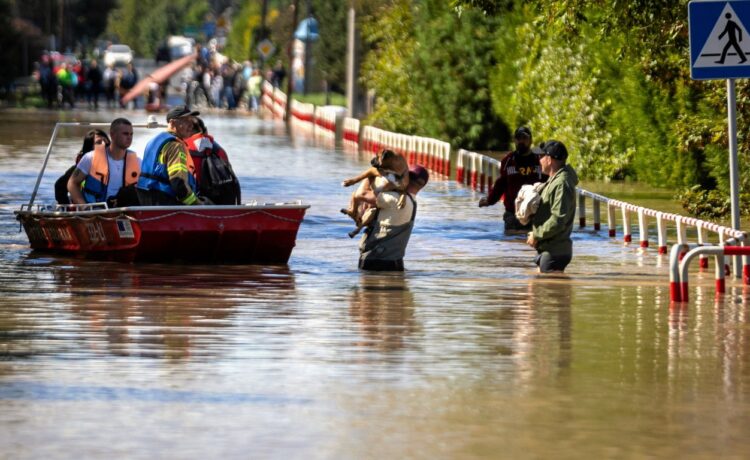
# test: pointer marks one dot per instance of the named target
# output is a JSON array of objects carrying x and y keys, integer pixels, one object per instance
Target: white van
[{"x": 180, "y": 46}]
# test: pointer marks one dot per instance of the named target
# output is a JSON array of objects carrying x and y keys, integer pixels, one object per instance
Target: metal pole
[
  {"x": 44, "y": 165},
  {"x": 733, "y": 167},
  {"x": 262, "y": 35},
  {"x": 350, "y": 50},
  {"x": 308, "y": 73},
  {"x": 290, "y": 75}
]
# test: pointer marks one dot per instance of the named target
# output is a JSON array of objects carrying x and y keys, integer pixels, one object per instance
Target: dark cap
[
  {"x": 181, "y": 111},
  {"x": 418, "y": 173},
  {"x": 555, "y": 149},
  {"x": 523, "y": 131}
]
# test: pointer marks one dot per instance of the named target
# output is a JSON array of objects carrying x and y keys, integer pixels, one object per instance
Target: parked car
[
  {"x": 118, "y": 55},
  {"x": 180, "y": 46}
]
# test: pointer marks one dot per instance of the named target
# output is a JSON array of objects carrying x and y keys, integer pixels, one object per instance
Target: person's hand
[
  {"x": 530, "y": 240},
  {"x": 483, "y": 202},
  {"x": 204, "y": 201},
  {"x": 347, "y": 182}
]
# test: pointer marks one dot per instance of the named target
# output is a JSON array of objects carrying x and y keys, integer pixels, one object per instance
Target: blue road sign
[{"x": 719, "y": 39}]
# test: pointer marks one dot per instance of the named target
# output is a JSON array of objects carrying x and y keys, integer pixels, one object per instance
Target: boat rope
[
  {"x": 164, "y": 216},
  {"x": 203, "y": 216}
]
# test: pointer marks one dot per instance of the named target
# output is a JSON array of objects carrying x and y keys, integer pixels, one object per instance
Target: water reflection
[
  {"x": 383, "y": 307},
  {"x": 151, "y": 311},
  {"x": 544, "y": 333},
  {"x": 488, "y": 356}
]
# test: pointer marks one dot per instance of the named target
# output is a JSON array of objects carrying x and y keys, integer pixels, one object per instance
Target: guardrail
[
  {"x": 350, "y": 134},
  {"x": 682, "y": 255},
  {"x": 481, "y": 171}
]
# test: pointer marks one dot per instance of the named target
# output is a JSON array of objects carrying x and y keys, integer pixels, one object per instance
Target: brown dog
[{"x": 389, "y": 171}]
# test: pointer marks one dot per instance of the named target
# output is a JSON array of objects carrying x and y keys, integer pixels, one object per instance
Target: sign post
[{"x": 719, "y": 46}]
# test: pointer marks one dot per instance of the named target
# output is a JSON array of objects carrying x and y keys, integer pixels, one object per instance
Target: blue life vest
[{"x": 154, "y": 174}]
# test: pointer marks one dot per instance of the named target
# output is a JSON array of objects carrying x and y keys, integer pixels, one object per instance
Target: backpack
[{"x": 218, "y": 182}]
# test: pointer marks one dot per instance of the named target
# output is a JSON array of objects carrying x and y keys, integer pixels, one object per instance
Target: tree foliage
[
  {"x": 144, "y": 24},
  {"x": 609, "y": 78},
  {"x": 240, "y": 45}
]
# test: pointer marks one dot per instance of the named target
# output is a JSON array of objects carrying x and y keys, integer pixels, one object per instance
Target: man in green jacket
[{"x": 553, "y": 221}]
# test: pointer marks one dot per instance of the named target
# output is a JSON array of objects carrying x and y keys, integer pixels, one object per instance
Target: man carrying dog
[{"x": 383, "y": 245}]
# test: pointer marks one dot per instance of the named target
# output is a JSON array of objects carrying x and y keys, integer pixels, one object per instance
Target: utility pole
[
  {"x": 289, "y": 77},
  {"x": 351, "y": 77},
  {"x": 263, "y": 31},
  {"x": 308, "y": 73}
]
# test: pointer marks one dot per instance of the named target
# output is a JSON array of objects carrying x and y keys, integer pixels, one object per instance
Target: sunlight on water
[{"x": 468, "y": 354}]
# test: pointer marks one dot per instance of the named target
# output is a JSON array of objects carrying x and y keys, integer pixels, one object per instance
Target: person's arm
[
  {"x": 560, "y": 212},
  {"x": 175, "y": 159},
  {"x": 74, "y": 186},
  {"x": 370, "y": 172},
  {"x": 498, "y": 189}
]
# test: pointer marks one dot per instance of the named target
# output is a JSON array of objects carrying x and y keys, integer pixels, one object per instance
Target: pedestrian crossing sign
[{"x": 719, "y": 39}]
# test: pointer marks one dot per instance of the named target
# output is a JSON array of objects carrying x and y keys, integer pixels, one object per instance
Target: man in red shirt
[{"x": 518, "y": 168}]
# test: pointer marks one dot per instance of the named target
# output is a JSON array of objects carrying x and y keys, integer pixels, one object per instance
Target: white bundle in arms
[{"x": 527, "y": 201}]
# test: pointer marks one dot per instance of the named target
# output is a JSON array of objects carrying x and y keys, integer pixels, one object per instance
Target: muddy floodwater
[{"x": 468, "y": 354}]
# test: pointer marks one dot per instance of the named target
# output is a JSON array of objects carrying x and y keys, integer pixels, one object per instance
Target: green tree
[
  {"x": 240, "y": 45},
  {"x": 329, "y": 52},
  {"x": 9, "y": 39},
  {"x": 387, "y": 66},
  {"x": 451, "y": 72},
  {"x": 143, "y": 24}
]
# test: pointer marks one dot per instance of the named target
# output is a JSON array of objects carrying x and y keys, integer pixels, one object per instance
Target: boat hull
[{"x": 211, "y": 234}]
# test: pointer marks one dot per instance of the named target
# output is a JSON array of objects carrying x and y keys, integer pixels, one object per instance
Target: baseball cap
[
  {"x": 555, "y": 149},
  {"x": 523, "y": 131},
  {"x": 181, "y": 111},
  {"x": 419, "y": 173}
]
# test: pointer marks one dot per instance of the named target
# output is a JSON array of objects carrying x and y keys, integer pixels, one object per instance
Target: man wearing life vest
[
  {"x": 102, "y": 172},
  {"x": 167, "y": 170}
]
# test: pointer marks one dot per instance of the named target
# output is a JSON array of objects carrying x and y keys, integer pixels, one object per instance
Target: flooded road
[{"x": 468, "y": 354}]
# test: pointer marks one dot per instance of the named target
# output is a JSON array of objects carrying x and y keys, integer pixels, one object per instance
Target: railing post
[
  {"x": 581, "y": 209},
  {"x": 703, "y": 260},
  {"x": 474, "y": 161},
  {"x": 611, "y": 226},
  {"x": 681, "y": 233},
  {"x": 482, "y": 172},
  {"x": 723, "y": 260},
  {"x": 675, "y": 287},
  {"x": 597, "y": 215},
  {"x": 661, "y": 229},
  {"x": 719, "y": 270},
  {"x": 626, "y": 235},
  {"x": 643, "y": 227}
]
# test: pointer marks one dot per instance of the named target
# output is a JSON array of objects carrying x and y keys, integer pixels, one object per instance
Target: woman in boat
[{"x": 92, "y": 138}]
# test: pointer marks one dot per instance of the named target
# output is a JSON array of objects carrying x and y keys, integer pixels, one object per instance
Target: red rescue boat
[{"x": 248, "y": 233}]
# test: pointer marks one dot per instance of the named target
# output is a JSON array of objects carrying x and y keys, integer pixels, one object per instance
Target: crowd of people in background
[
  {"x": 216, "y": 81},
  {"x": 66, "y": 82},
  {"x": 213, "y": 81}
]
